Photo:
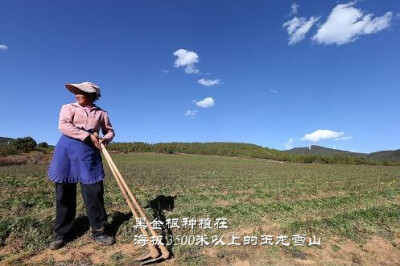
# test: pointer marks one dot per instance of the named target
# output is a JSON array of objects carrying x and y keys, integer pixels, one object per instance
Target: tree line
[
  {"x": 229, "y": 149},
  {"x": 233, "y": 149},
  {"x": 20, "y": 145}
]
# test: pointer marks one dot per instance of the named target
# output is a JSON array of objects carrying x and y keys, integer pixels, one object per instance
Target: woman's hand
[
  {"x": 95, "y": 141},
  {"x": 104, "y": 141}
]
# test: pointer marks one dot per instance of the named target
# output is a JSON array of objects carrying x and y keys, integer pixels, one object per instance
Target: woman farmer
[{"x": 77, "y": 159}]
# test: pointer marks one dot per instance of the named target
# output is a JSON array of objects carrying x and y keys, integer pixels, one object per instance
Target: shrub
[
  {"x": 7, "y": 150},
  {"x": 43, "y": 145},
  {"x": 26, "y": 144},
  {"x": 308, "y": 158}
]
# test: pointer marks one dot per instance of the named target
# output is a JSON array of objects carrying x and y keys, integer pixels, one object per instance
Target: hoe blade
[{"x": 148, "y": 259}]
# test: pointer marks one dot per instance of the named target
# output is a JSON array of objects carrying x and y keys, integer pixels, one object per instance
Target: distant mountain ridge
[
  {"x": 4, "y": 141},
  {"x": 323, "y": 151},
  {"x": 385, "y": 155}
]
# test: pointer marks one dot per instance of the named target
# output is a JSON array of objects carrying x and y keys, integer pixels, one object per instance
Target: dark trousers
[{"x": 66, "y": 208}]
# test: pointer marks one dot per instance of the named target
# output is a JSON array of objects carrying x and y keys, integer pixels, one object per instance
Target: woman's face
[{"x": 83, "y": 99}]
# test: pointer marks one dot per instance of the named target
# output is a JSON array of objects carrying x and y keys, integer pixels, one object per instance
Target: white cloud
[
  {"x": 344, "y": 138},
  {"x": 325, "y": 134},
  {"x": 273, "y": 91},
  {"x": 190, "y": 69},
  {"x": 294, "y": 8},
  {"x": 191, "y": 113},
  {"x": 165, "y": 71},
  {"x": 186, "y": 59},
  {"x": 297, "y": 28},
  {"x": 289, "y": 144},
  {"x": 346, "y": 23},
  {"x": 3, "y": 47},
  {"x": 209, "y": 82},
  {"x": 206, "y": 103}
]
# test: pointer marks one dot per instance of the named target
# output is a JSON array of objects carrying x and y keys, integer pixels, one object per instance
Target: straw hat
[{"x": 86, "y": 86}]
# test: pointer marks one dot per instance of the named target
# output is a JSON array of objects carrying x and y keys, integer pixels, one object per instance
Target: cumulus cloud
[
  {"x": 190, "y": 69},
  {"x": 209, "y": 82},
  {"x": 164, "y": 71},
  {"x": 3, "y": 47},
  {"x": 294, "y": 8},
  {"x": 273, "y": 91},
  {"x": 206, "y": 103},
  {"x": 346, "y": 23},
  {"x": 186, "y": 59},
  {"x": 322, "y": 134},
  {"x": 297, "y": 28},
  {"x": 191, "y": 113},
  {"x": 289, "y": 144}
]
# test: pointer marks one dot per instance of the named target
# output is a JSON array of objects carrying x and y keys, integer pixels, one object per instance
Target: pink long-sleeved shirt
[{"x": 73, "y": 117}]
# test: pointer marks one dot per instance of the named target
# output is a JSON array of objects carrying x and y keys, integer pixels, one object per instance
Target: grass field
[{"x": 354, "y": 210}]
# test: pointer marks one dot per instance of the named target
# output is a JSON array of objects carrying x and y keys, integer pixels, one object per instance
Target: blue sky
[{"x": 279, "y": 74}]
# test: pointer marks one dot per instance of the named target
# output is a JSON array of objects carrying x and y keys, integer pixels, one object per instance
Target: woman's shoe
[
  {"x": 104, "y": 239},
  {"x": 56, "y": 244}
]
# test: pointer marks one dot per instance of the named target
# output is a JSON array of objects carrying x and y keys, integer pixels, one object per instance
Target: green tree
[{"x": 26, "y": 144}]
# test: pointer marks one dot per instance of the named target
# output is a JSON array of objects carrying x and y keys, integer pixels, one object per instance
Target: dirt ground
[{"x": 334, "y": 251}]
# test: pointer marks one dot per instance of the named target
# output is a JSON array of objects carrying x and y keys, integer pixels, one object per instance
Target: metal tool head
[{"x": 148, "y": 259}]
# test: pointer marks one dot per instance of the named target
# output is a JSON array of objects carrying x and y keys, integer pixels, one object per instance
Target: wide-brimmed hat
[{"x": 86, "y": 86}]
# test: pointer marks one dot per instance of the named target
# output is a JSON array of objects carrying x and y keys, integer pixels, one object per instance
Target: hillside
[
  {"x": 312, "y": 154},
  {"x": 391, "y": 155},
  {"x": 385, "y": 155},
  {"x": 323, "y": 151}
]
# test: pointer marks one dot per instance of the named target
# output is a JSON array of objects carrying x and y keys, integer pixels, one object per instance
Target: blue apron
[{"x": 75, "y": 161}]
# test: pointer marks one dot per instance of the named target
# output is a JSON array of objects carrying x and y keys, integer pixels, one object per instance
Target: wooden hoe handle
[{"x": 129, "y": 198}]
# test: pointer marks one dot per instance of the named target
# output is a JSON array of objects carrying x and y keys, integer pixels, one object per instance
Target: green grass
[{"x": 344, "y": 200}]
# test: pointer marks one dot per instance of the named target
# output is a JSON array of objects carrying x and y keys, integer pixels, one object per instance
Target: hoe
[{"x": 154, "y": 253}]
